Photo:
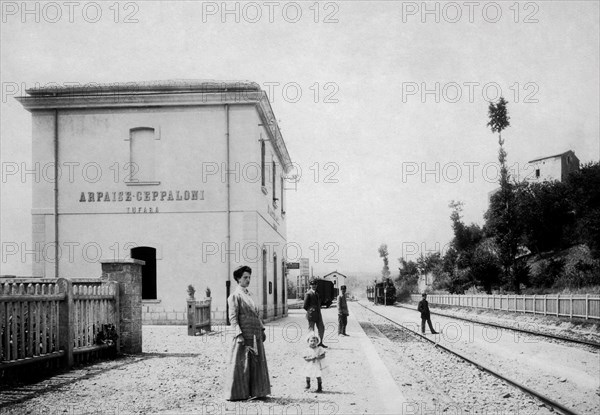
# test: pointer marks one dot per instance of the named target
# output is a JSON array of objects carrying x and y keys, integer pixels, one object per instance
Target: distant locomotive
[
  {"x": 382, "y": 293},
  {"x": 326, "y": 292}
]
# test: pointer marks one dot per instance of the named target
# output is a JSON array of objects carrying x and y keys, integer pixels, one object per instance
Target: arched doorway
[{"x": 148, "y": 255}]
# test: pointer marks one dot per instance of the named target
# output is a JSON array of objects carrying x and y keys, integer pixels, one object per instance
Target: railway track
[
  {"x": 556, "y": 406},
  {"x": 533, "y": 333}
]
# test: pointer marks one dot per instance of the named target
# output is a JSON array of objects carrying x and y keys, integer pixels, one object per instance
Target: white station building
[{"x": 187, "y": 176}]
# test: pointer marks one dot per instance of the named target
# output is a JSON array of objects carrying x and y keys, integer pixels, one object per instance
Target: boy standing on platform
[{"x": 342, "y": 307}]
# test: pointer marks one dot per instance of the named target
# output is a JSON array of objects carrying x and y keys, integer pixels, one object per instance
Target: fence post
[
  {"x": 587, "y": 300},
  {"x": 534, "y": 304},
  {"x": 209, "y": 315},
  {"x": 128, "y": 274},
  {"x": 115, "y": 287},
  {"x": 545, "y": 303},
  {"x": 557, "y": 305},
  {"x": 571, "y": 306},
  {"x": 191, "y": 316},
  {"x": 66, "y": 317}
]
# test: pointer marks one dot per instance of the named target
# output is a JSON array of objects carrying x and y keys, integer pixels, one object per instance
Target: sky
[{"x": 382, "y": 104}]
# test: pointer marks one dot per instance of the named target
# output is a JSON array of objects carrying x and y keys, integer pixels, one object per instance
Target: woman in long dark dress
[{"x": 248, "y": 375}]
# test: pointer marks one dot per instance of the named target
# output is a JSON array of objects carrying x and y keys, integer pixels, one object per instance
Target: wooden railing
[
  {"x": 561, "y": 305},
  {"x": 198, "y": 313},
  {"x": 43, "y": 319}
]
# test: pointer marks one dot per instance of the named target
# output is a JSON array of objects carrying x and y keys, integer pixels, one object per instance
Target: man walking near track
[{"x": 423, "y": 308}]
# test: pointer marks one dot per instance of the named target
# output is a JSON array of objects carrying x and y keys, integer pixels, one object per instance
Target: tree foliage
[
  {"x": 501, "y": 217},
  {"x": 522, "y": 220},
  {"x": 408, "y": 278}
]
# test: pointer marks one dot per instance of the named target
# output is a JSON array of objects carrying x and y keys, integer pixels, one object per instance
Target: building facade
[
  {"x": 556, "y": 167},
  {"x": 338, "y": 279},
  {"x": 187, "y": 176}
]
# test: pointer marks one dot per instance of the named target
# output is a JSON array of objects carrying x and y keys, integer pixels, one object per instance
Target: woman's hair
[
  {"x": 237, "y": 274},
  {"x": 313, "y": 335}
]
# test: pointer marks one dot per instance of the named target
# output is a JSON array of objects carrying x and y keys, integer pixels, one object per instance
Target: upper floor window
[
  {"x": 281, "y": 197},
  {"x": 262, "y": 162},
  {"x": 274, "y": 183},
  {"x": 142, "y": 153}
]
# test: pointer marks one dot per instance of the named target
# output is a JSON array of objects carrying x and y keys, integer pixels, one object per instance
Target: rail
[{"x": 556, "y": 406}]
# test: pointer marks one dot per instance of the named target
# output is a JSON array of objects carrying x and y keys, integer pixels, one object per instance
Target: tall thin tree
[{"x": 502, "y": 212}]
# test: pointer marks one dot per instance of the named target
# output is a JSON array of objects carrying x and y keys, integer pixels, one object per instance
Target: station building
[{"x": 187, "y": 176}]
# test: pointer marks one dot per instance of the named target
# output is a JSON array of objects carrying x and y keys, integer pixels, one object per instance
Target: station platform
[{"x": 181, "y": 374}]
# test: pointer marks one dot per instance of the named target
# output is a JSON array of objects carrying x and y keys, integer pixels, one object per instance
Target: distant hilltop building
[
  {"x": 185, "y": 175},
  {"x": 543, "y": 169},
  {"x": 556, "y": 167}
]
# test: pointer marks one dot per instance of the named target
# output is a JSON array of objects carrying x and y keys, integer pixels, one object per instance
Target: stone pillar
[{"x": 128, "y": 274}]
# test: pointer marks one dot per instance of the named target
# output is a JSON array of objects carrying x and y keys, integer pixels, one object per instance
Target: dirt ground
[{"x": 181, "y": 374}]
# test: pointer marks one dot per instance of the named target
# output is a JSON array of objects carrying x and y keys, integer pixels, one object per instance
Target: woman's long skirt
[{"x": 248, "y": 375}]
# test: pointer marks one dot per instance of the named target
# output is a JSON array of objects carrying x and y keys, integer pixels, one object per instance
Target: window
[
  {"x": 262, "y": 161},
  {"x": 283, "y": 284},
  {"x": 273, "y": 183},
  {"x": 281, "y": 197},
  {"x": 537, "y": 173},
  {"x": 264, "y": 282},
  {"x": 275, "y": 283},
  {"x": 142, "y": 155}
]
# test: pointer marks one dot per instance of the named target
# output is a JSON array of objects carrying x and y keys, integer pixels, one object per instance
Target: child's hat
[{"x": 311, "y": 335}]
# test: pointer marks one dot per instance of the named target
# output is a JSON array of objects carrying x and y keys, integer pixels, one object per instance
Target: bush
[
  {"x": 580, "y": 269},
  {"x": 545, "y": 272}
]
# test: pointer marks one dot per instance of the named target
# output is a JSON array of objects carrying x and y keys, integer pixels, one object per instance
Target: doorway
[{"x": 148, "y": 255}]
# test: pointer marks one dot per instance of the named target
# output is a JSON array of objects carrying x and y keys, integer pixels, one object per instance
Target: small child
[{"x": 313, "y": 356}]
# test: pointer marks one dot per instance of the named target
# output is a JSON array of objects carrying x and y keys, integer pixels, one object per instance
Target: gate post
[
  {"x": 191, "y": 316},
  {"x": 128, "y": 274},
  {"x": 66, "y": 317}
]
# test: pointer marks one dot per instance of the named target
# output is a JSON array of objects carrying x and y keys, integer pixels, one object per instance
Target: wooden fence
[
  {"x": 64, "y": 319},
  {"x": 198, "y": 313},
  {"x": 571, "y": 305}
]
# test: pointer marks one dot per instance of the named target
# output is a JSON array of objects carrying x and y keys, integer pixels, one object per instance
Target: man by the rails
[
  {"x": 312, "y": 305},
  {"x": 342, "y": 307},
  {"x": 423, "y": 308}
]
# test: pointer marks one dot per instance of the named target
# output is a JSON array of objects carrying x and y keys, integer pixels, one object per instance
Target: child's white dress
[{"x": 313, "y": 368}]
